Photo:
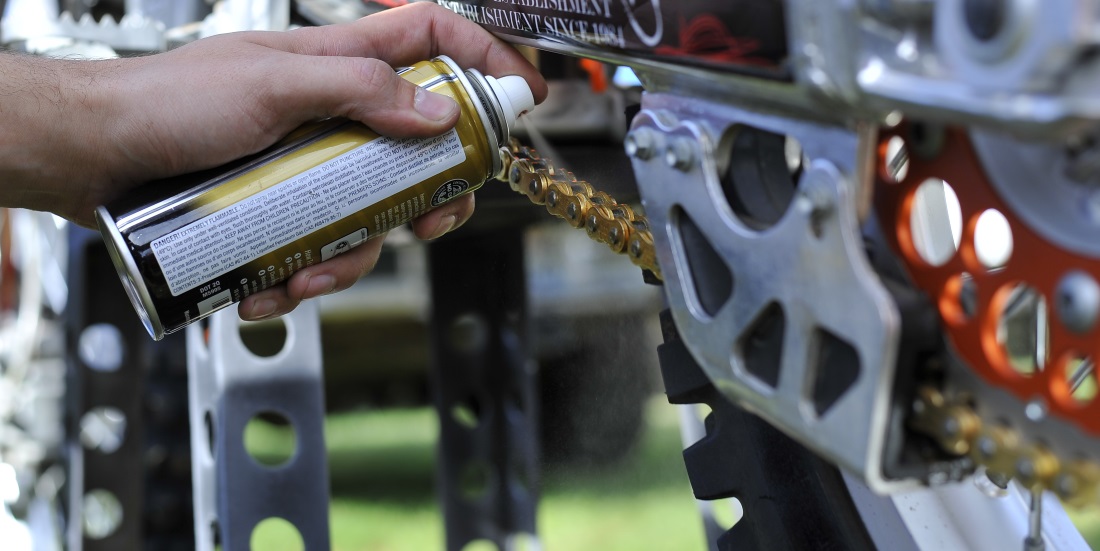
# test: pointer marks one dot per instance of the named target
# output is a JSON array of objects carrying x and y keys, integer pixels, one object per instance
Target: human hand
[{"x": 97, "y": 129}]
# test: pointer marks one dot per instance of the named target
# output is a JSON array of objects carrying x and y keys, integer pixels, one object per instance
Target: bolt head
[
  {"x": 1035, "y": 410},
  {"x": 680, "y": 154},
  {"x": 1077, "y": 301},
  {"x": 640, "y": 143}
]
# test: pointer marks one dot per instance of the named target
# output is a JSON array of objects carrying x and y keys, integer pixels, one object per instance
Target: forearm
[{"x": 52, "y": 116}]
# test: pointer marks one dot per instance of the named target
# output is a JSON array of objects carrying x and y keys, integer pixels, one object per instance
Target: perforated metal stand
[
  {"x": 127, "y": 457},
  {"x": 229, "y": 386},
  {"x": 484, "y": 390}
]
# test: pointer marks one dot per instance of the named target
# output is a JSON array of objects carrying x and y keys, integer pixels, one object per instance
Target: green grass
[{"x": 383, "y": 497}]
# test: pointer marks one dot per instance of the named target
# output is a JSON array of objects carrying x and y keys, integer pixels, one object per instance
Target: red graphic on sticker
[
  {"x": 706, "y": 37},
  {"x": 388, "y": 3}
]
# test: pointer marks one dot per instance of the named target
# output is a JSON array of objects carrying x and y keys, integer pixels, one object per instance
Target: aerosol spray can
[{"x": 186, "y": 247}]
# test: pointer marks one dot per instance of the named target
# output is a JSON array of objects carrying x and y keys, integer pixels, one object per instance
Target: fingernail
[
  {"x": 445, "y": 225},
  {"x": 261, "y": 309},
  {"x": 433, "y": 106},
  {"x": 320, "y": 285}
]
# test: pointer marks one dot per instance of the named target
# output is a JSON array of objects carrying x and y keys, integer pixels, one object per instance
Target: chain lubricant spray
[{"x": 186, "y": 247}]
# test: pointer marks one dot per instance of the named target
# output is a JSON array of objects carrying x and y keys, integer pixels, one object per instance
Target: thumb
[{"x": 369, "y": 91}]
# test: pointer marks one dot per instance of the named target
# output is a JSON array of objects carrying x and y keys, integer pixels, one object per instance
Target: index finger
[{"x": 405, "y": 35}]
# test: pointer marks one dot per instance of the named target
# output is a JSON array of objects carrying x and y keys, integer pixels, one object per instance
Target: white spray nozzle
[{"x": 514, "y": 95}]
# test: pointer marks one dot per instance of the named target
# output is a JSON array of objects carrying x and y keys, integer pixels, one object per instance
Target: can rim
[
  {"x": 490, "y": 135},
  {"x": 128, "y": 272}
]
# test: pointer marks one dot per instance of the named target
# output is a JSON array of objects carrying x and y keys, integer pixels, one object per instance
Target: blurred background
[{"x": 94, "y": 435}]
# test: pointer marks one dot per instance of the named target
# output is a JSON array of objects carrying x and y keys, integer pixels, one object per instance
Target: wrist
[{"x": 51, "y": 155}]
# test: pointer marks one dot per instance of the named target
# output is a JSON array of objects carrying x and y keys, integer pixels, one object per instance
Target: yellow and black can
[{"x": 188, "y": 246}]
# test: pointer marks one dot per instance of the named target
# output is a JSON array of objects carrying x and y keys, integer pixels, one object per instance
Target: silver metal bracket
[
  {"x": 229, "y": 386},
  {"x": 805, "y": 278}
]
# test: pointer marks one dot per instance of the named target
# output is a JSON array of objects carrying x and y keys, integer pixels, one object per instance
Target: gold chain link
[
  {"x": 579, "y": 204},
  {"x": 957, "y": 429}
]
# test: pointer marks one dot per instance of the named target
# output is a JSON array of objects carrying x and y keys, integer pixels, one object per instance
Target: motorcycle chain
[
  {"x": 580, "y": 205},
  {"x": 950, "y": 422}
]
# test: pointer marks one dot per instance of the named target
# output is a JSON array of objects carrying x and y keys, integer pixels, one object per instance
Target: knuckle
[{"x": 375, "y": 75}]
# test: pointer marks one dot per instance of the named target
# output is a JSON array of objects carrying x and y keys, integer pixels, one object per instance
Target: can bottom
[{"x": 128, "y": 272}]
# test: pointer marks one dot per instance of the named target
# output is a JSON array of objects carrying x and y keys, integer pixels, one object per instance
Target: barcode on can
[{"x": 216, "y": 302}]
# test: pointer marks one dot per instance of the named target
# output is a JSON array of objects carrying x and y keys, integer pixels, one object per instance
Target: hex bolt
[
  {"x": 985, "y": 18},
  {"x": 1077, "y": 301},
  {"x": 818, "y": 198},
  {"x": 680, "y": 154},
  {"x": 1035, "y": 410},
  {"x": 641, "y": 143}
]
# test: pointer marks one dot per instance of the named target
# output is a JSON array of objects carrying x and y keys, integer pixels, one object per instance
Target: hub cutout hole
[
  {"x": 894, "y": 155},
  {"x": 993, "y": 239},
  {"x": 1022, "y": 329},
  {"x": 1081, "y": 378},
  {"x": 935, "y": 221}
]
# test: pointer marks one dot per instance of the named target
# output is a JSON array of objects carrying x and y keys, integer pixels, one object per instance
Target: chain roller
[{"x": 580, "y": 205}]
